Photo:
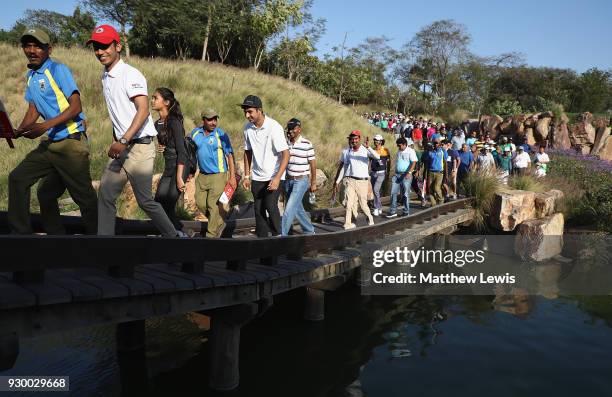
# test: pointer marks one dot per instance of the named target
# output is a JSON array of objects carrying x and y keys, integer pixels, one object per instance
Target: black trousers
[
  {"x": 167, "y": 193},
  {"x": 267, "y": 216}
]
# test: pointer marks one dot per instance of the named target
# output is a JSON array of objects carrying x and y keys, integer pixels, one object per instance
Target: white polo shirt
[
  {"x": 356, "y": 161},
  {"x": 522, "y": 160},
  {"x": 119, "y": 85},
  {"x": 266, "y": 143}
]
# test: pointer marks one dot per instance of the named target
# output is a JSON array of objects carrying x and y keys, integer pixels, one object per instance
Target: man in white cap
[
  {"x": 522, "y": 161},
  {"x": 379, "y": 169}
]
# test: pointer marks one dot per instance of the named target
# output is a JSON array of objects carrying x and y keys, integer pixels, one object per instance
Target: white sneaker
[
  {"x": 393, "y": 215},
  {"x": 371, "y": 222},
  {"x": 349, "y": 226},
  {"x": 181, "y": 234},
  {"x": 376, "y": 212}
]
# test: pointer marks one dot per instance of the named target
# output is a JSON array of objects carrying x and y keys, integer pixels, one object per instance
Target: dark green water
[{"x": 376, "y": 347}]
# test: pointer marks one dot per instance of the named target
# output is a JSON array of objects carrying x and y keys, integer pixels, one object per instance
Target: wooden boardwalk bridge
[{"x": 56, "y": 283}]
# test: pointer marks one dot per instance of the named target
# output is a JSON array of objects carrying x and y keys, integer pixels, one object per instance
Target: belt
[
  {"x": 143, "y": 141},
  {"x": 76, "y": 137},
  {"x": 359, "y": 179},
  {"x": 294, "y": 177}
]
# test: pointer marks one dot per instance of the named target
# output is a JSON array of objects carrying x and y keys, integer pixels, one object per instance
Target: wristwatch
[{"x": 123, "y": 141}]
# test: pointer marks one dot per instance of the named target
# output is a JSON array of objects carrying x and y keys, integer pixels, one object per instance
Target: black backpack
[{"x": 191, "y": 150}]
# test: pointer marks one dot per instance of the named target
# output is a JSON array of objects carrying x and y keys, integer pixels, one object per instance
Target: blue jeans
[
  {"x": 400, "y": 182},
  {"x": 294, "y": 192}
]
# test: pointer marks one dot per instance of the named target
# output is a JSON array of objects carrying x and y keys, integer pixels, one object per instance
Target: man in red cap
[
  {"x": 353, "y": 165},
  {"x": 132, "y": 152}
]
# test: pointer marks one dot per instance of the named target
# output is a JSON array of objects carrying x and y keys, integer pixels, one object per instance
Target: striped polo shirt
[
  {"x": 301, "y": 153},
  {"x": 49, "y": 88}
]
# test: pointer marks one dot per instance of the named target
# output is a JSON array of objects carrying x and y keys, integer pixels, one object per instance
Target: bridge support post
[
  {"x": 130, "y": 336},
  {"x": 314, "y": 305},
  {"x": 9, "y": 350},
  {"x": 224, "y": 353}
]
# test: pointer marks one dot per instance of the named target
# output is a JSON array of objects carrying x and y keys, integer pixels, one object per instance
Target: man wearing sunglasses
[{"x": 132, "y": 152}]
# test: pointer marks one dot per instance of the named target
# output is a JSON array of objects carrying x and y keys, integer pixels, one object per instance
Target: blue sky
[{"x": 557, "y": 33}]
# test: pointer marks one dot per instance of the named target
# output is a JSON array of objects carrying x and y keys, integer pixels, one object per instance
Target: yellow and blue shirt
[
  {"x": 212, "y": 149},
  {"x": 49, "y": 88}
]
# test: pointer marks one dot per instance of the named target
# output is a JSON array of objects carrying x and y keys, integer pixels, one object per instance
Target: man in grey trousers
[{"x": 132, "y": 152}]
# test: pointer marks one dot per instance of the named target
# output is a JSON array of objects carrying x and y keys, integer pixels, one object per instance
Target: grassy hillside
[{"x": 196, "y": 85}]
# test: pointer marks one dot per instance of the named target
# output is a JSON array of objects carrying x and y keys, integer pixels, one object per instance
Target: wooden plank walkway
[{"x": 68, "y": 298}]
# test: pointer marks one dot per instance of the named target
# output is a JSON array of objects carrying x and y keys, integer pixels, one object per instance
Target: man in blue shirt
[
  {"x": 62, "y": 157},
  {"x": 466, "y": 159},
  {"x": 216, "y": 163},
  {"x": 436, "y": 159}
]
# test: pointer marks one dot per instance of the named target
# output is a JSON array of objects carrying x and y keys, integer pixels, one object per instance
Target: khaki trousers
[
  {"x": 356, "y": 192},
  {"x": 434, "y": 184},
  {"x": 208, "y": 190},
  {"x": 62, "y": 165},
  {"x": 135, "y": 165}
]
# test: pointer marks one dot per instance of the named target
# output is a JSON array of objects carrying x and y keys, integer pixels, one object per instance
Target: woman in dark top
[{"x": 171, "y": 139}]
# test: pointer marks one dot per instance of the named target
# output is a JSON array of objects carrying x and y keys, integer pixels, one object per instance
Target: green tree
[
  {"x": 267, "y": 19},
  {"x": 439, "y": 47}
]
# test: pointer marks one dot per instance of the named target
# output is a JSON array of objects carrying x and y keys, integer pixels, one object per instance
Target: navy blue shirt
[{"x": 466, "y": 159}]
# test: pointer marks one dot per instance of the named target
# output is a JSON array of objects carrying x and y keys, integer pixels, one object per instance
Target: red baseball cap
[
  {"x": 355, "y": 133},
  {"x": 104, "y": 34}
]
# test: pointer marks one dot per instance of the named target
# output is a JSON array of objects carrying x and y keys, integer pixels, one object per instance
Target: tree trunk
[
  {"x": 126, "y": 44},
  {"x": 206, "y": 35}
]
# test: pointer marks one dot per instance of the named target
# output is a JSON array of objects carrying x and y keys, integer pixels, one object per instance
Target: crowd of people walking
[{"x": 431, "y": 160}]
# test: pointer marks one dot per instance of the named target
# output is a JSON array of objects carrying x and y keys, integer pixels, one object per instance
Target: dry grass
[{"x": 197, "y": 85}]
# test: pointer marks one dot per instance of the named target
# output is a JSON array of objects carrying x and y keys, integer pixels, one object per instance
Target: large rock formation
[
  {"x": 605, "y": 153},
  {"x": 542, "y": 126},
  {"x": 488, "y": 124},
  {"x": 512, "y": 207},
  {"x": 560, "y": 138},
  {"x": 547, "y": 203},
  {"x": 540, "y": 239},
  {"x": 602, "y": 132}
]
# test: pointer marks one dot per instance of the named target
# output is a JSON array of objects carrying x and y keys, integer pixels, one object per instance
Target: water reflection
[{"x": 509, "y": 344}]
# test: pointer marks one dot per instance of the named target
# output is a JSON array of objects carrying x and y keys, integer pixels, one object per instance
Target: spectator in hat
[
  {"x": 216, "y": 163},
  {"x": 354, "y": 167},
  {"x": 405, "y": 164},
  {"x": 505, "y": 165},
  {"x": 266, "y": 155},
  {"x": 301, "y": 176},
  {"x": 132, "y": 153},
  {"x": 61, "y": 159},
  {"x": 485, "y": 161},
  {"x": 435, "y": 162},
  {"x": 522, "y": 162},
  {"x": 379, "y": 169}
]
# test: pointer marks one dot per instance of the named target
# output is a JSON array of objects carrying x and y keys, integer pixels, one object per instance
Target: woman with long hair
[{"x": 171, "y": 139}]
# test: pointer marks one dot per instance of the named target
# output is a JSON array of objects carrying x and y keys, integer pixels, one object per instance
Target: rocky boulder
[
  {"x": 488, "y": 124},
  {"x": 560, "y": 138},
  {"x": 542, "y": 126},
  {"x": 540, "y": 239},
  {"x": 602, "y": 132},
  {"x": 547, "y": 202},
  {"x": 605, "y": 153},
  {"x": 583, "y": 133},
  {"x": 512, "y": 207}
]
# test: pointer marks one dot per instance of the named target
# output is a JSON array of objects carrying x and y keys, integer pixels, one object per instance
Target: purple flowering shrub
[{"x": 587, "y": 184}]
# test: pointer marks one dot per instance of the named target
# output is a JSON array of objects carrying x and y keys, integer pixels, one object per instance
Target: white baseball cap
[{"x": 378, "y": 137}]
